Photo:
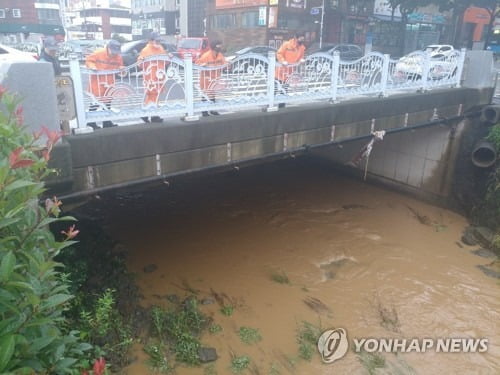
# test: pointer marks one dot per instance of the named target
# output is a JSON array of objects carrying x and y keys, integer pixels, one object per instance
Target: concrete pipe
[
  {"x": 484, "y": 154},
  {"x": 491, "y": 114}
]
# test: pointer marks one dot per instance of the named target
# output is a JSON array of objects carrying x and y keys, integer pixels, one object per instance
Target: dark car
[
  {"x": 347, "y": 52},
  {"x": 246, "y": 65},
  {"x": 131, "y": 50}
]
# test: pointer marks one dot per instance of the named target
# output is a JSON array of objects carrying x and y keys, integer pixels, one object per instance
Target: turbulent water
[{"x": 354, "y": 254}]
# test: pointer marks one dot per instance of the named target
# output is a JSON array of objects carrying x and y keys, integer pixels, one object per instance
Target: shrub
[{"x": 33, "y": 296}]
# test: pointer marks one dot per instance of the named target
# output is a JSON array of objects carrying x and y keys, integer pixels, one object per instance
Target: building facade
[
  {"x": 21, "y": 19},
  {"x": 100, "y": 23}
]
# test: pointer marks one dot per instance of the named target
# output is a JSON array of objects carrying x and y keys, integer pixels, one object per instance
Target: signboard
[
  {"x": 383, "y": 8},
  {"x": 65, "y": 98},
  {"x": 273, "y": 17},
  {"x": 315, "y": 11},
  {"x": 273, "y": 2},
  {"x": 295, "y": 3},
  {"x": 262, "y": 16},
  {"x": 226, "y": 4}
]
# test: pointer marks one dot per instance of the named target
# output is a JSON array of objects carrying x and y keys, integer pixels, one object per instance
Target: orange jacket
[
  {"x": 210, "y": 58},
  {"x": 101, "y": 60},
  {"x": 150, "y": 68},
  {"x": 291, "y": 52}
]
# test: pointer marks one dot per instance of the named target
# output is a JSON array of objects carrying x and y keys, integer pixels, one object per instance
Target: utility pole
[{"x": 321, "y": 25}]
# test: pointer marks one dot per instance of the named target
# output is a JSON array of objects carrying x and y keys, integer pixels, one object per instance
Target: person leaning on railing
[
  {"x": 212, "y": 57},
  {"x": 291, "y": 52},
  {"x": 107, "y": 58},
  {"x": 153, "y": 83}
]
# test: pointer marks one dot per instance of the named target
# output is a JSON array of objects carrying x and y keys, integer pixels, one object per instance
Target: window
[
  {"x": 250, "y": 19},
  {"x": 2, "y": 13},
  {"x": 16, "y": 13},
  {"x": 223, "y": 21}
]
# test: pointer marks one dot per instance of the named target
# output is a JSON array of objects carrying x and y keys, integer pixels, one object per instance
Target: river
[{"x": 375, "y": 262}]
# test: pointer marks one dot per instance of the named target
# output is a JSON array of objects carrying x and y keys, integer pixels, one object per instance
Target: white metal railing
[{"x": 166, "y": 86}]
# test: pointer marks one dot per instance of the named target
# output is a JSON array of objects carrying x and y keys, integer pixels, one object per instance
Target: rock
[
  {"x": 468, "y": 237},
  {"x": 207, "y": 301},
  {"x": 485, "y": 253},
  {"x": 484, "y": 236},
  {"x": 489, "y": 272},
  {"x": 207, "y": 355},
  {"x": 174, "y": 298},
  {"x": 150, "y": 268}
]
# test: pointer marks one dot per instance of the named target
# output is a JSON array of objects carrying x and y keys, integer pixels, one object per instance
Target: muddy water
[{"x": 348, "y": 248}]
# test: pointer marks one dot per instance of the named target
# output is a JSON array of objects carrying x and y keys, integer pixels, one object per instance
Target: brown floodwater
[{"x": 349, "y": 248}]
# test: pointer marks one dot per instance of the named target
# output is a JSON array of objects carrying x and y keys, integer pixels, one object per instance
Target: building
[
  {"x": 22, "y": 20},
  {"x": 98, "y": 20}
]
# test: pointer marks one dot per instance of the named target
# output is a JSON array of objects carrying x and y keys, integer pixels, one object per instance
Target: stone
[
  {"x": 485, "y": 253},
  {"x": 207, "y": 301},
  {"x": 150, "y": 268},
  {"x": 468, "y": 237},
  {"x": 484, "y": 236},
  {"x": 207, "y": 355},
  {"x": 489, "y": 272}
]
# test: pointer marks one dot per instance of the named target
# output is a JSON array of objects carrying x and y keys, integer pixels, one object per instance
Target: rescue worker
[
  {"x": 107, "y": 58},
  {"x": 49, "y": 54},
  {"x": 290, "y": 52},
  {"x": 212, "y": 58},
  {"x": 153, "y": 82}
]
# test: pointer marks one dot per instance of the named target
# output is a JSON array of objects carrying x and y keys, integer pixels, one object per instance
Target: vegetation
[
  {"x": 227, "y": 310},
  {"x": 372, "y": 361},
  {"x": 214, "y": 328},
  {"x": 280, "y": 277},
  {"x": 34, "y": 334},
  {"x": 307, "y": 338},
  {"x": 249, "y": 335},
  {"x": 239, "y": 364}
]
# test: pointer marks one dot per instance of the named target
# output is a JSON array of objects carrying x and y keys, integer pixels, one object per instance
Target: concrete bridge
[{"x": 418, "y": 151}]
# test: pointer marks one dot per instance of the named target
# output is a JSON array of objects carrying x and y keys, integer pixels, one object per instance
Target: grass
[
  {"x": 179, "y": 329},
  {"x": 389, "y": 318},
  {"x": 274, "y": 370},
  {"x": 210, "y": 370},
  {"x": 307, "y": 338},
  {"x": 239, "y": 364},
  {"x": 227, "y": 310},
  {"x": 372, "y": 361},
  {"x": 280, "y": 277},
  {"x": 249, "y": 335},
  {"x": 158, "y": 361},
  {"x": 214, "y": 328}
]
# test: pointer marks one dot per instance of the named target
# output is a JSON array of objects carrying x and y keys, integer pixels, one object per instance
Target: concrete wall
[
  {"x": 34, "y": 84},
  {"x": 114, "y": 157}
]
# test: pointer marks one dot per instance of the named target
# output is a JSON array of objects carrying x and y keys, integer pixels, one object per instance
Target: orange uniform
[
  {"x": 152, "y": 82},
  {"x": 210, "y": 58},
  {"x": 291, "y": 52},
  {"x": 102, "y": 60}
]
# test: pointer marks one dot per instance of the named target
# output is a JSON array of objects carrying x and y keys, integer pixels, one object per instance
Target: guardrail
[{"x": 170, "y": 87}]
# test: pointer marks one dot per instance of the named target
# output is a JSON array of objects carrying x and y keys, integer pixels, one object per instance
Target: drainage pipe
[
  {"x": 484, "y": 154},
  {"x": 491, "y": 114}
]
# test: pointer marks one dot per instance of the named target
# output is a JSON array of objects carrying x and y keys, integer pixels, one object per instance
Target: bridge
[{"x": 412, "y": 126}]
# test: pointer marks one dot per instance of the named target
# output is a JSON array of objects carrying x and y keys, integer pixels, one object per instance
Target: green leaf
[
  {"x": 7, "y": 266},
  {"x": 6, "y": 222},
  {"x": 55, "y": 300},
  {"x": 18, "y": 184},
  {"x": 7, "y": 345},
  {"x": 20, "y": 285},
  {"x": 65, "y": 363},
  {"x": 9, "y": 306},
  {"x": 41, "y": 343}
]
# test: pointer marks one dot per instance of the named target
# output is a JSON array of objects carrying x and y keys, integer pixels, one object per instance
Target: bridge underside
[{"x": 123, "y": 156}]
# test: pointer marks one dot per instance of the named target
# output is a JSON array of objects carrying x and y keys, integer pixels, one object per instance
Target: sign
[
  {"x": 273, "y": 17},
  {"x": 262, "y": 16},
  {"x": 222, "y": 4},
  {"x": 273, "y": 2},
  {"x": 295, "y": 3},
  {"x": 65, "y": 98},
  {"x": 315, "y": 11}
]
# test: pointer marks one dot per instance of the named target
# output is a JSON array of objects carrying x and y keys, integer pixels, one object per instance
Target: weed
[
  {"x": 388, "y": 316},
  {"x": 249, "y": 335},
  {"x": 215, "y": 328},
  {"x": 239, "y": 364},
  {"x": 210, "y": 370},
  {"x": 227, "y": 310},
  {"x": 307, "y": 338},
  {"x": 371, "y": 362},
  {"x": 274, "y": 370},
  {"x": 305, "y": 289},
  {"x": 280, "y": 277},
  {"x": 158, "y": 360}
]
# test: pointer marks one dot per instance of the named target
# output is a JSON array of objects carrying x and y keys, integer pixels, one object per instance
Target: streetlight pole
[{"x": 321, "y": 25}]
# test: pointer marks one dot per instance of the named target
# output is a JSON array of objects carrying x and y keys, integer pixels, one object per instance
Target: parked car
[
  {"x": 195, "y": 46},
  {"x": 442, "y": 63},
  {"x": 131, "y": 50},
  {"x": 9, "y": 54},
  {"x": 247, "y": 65},
  {"x": 347, "y": 52}
]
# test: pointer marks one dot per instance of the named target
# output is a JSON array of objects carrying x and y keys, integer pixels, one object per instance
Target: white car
[
  {"x": 9, "y": 54},
  {"x": 442, "y": 64}
]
